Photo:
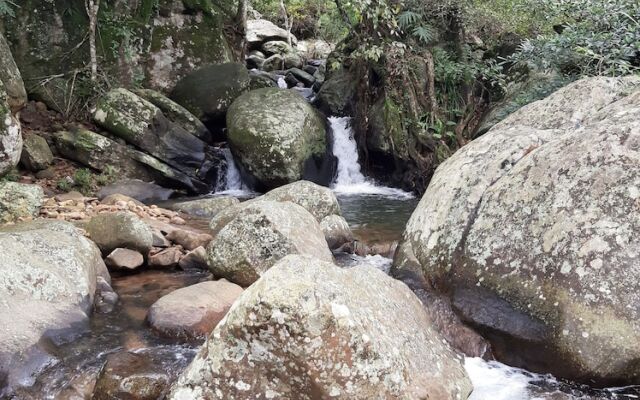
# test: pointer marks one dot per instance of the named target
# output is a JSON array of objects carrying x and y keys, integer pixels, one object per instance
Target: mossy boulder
[
  {"x": 10, "y": 135},
  {"x": 11, "y": 78},
  {"x": 36, "y": 154},
  {"x": 208, "y": 92},
  {"x": 176, "y": 113},
  {"x": 278, "y": 138},
  {"x": 120, "y": 230},
  {"x": 19, "y": 201},
  {"x": 532, "y": 232},
  {"x": 259, "y": 236},
  {"x": 337, "y": 94}
]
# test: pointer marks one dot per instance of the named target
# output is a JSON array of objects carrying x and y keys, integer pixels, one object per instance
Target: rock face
[
  {"x": 121, "y": 229},
  {"x": 36, "y": 154},
  {"x": 536, "y": 224},
  {"x": 328, "y": 332},
  {"x": 19, "y": 201},
  {"x": 259, "y": 236},
  {"x": 10, "y": 135},
  {"x": 278, "y": 138},
  {"x": 11, "y": 78},
  {"x": 194, "y": 311},
  {"x": 208, "y": 92},
  {"x": 47, "y": 277}
]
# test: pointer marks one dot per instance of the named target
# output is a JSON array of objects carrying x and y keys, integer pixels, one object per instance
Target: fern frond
[{"x": 408, "y": 18}]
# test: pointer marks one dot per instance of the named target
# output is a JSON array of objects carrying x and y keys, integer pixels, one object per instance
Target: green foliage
[
  {"x": 83, "y": 179},
  {"x": 597, "y": 38},
  {"x": 64, "y": 184},
  {"x": 108, "y": 176},
  {"x": 7, "y": 8},
  {"x": 12, "y": 176}
]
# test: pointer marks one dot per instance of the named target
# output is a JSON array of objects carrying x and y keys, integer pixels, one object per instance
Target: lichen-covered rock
[
  {"x": 48, "y": 278},
  {"x": 10, "y": 135},
  {"x": 336, "y": 231},
  {"x": 278, "y": 138},
  {"x": 193, "y": 311},
  {"x": 11, "y": 78},
  {"x": 36, "y": 154},
  {"x": 320, "y": 201},
  {"x": 537, "y": 226},
  {"x": 261, "y": 30},
  {"x": 207, "y": 207},
  {"x": 329, "y": 333},
  {"x": 19, "y": 201},
  {"x": 121, "y": 229},
  {"x": 101, "y": 153},
  {"x": 208, "y": 92},
  {"x": 259, "y": 236},
  {"x": 143, "y": 125},
  {"x": 176, "y": 113}
]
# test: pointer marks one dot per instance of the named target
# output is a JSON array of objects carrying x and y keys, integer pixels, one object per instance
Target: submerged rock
[
  {"x": 128, "y": 375},
  {"x": 531, "y": 231},
  {"x": 309, "y": 329},
  {"x": 259, "y": 236},
  {"x": 278, "y": 138},
  {"x": 48, "y": 273},
  {"x": 194, "y": 311},
  {"x": 120, "y": 230},
  {"x": 19, "y": 201}
]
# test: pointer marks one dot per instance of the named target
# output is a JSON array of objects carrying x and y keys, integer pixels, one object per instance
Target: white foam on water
[
  {"x": 282, "y": 84},
  {"x": 350, "y": 180},
  {"x": 231, "y": 184}
]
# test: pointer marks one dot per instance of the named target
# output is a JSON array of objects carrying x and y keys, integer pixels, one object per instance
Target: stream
[{"x": 376, "y": 214}]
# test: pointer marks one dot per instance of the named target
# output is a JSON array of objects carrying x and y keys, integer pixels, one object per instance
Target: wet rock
[
  {"x": 36, "y": 154},
  {"x": 278, "y": 138},
  {"x": 176, "y": 113},
  {"x": 128, "y": 375},
  {"x": 19, "y": 201},
  {"x": 119, "y": 230},
  {"x": 188, "y": 239},
  {"x": 259, "y": 236},
  {"x": 315, "y": 324},
  {"x": 10, "y": 135},
  {"x": 124, "y": 259},
  {"x": 337, "y": 94},
  {"x": 336, "y": 231},
  {"x": 166, "y": 258},
  {"x": 261, "y": 30},
  {"x": 207, "y": 208},
  {"x": 48, "y": 273},
  {"x": 106, "y": 298},
  {"x": 192, "y": 312},
  {"x": 531, "y": 233},
  {"x": 194, "y": 259},
  {"x": 273, "y": 63},
  {"x": 145, "y": 192},
  {"x": 303, "y": 76},
  {"x": 208, "y": 92},
  {"x": 142, "y": 124}
]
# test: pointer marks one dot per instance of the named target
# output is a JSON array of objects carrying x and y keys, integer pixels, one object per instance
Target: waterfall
[
  {"x": 231, "y": 181},
  {"x": 349, "y": 179},
  {"x": 282, "y": 84}
]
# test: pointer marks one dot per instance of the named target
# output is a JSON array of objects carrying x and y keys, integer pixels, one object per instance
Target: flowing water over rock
[{"x": 231, "y": 182}]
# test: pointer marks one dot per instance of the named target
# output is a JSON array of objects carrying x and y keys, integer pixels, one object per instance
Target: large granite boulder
[
  {"x": 48, "y": 274},
  {"x": 259, "y": 236},
  {"x": 11, "y": 78},
  {"x": 19, "y": 201},
  {"x": 36, "y": 154},
  {"x": 311, "y": 330},
  {"x": 336, "y": 97},
  {"x": 279, "y": 138},
  {"x": 120, "y": 230},
  {"x": 260, "y": 31},
  {"x": 10, "y": 135},
  {"x": 532, "y": 232},
  {"x": 208, "y": 92}
]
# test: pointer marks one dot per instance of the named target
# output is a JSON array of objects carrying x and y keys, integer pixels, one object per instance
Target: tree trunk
[
  {"x": 241, "y": 18},
  {"x": 92, "y": 7}
]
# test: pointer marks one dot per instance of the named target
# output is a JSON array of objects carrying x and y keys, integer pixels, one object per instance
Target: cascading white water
[
  {"x": 350, "y": 179},
  {"x": 231, "y": 182},
  {"x": 282, "y": 84}
]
